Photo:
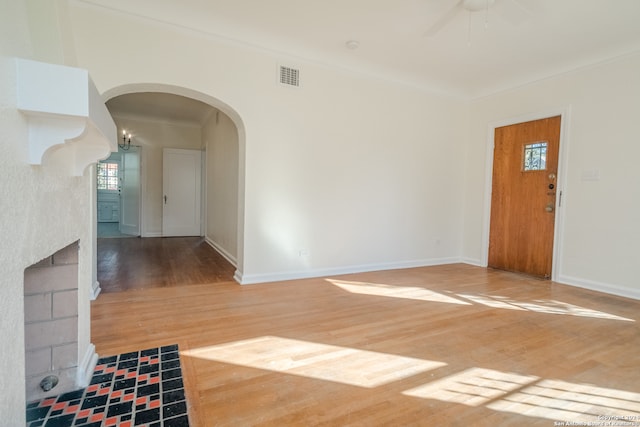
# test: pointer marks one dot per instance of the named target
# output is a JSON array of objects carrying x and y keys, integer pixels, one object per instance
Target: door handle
[{"x": 549, "y": 208}]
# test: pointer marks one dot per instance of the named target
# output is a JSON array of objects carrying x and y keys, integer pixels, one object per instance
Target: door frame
[{"x": 561, "y": 200}]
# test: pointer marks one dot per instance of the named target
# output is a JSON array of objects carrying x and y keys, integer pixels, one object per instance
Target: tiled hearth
[{"x": 141, "y": 388}]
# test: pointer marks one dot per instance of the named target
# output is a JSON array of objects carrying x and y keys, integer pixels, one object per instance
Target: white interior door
[
  {"x": 130, "y": 192},
  {"x": 181, "y": 183}
]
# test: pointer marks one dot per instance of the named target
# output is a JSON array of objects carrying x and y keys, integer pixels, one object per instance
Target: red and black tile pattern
[{"x": 137, "y": 389}]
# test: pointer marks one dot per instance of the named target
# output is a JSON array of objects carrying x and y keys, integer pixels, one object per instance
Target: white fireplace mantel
[{"x": 69, "y": 124}]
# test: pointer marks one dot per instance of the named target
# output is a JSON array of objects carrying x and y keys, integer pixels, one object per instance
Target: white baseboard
[
  {"x": 473, "y": 261},
  {"x": 306, "y": 274},
  {"x": 222, "y": 252},
  {"x": 95, "y": 290},
  {"x": 87, "y": 366},
  {"x": 600, "y": 287},
  {"x": 237, "y": 276},
  {"x": 152, "y": 234}
]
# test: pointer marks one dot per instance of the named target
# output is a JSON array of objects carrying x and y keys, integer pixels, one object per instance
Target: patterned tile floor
[{"x": 141, "y": 388}]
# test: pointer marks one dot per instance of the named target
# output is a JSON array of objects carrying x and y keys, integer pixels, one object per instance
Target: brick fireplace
[
  {"x": 55, "y": 126},
  {"x": 51, "y": 324}
]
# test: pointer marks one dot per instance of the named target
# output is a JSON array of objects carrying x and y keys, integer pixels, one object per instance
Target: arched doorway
[{"x": 182, "y": 114}]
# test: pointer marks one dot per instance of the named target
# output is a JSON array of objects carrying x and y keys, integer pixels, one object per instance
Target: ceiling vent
[{"x": 289, "y": 76}]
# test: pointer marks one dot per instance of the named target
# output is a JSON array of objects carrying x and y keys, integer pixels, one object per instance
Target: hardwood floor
[
  {"x": 135, "y": 263},
  {"x": 452, "y": 345}
]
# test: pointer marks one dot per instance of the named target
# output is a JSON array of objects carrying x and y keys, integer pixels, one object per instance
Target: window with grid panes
[{"x": 107, "y": 176}]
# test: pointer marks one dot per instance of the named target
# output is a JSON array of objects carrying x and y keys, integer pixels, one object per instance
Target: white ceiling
[
  {"x": 164, "y": 106},
  {"x": 524, "y": 40}
]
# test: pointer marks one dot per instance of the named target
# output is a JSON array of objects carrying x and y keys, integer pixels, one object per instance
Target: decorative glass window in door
[
  {"x": 107, "y": 176},
  {"x": 535, "y": 157}
]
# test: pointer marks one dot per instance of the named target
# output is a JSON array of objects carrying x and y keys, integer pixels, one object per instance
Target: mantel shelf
[{"x": 69, "y": 124}]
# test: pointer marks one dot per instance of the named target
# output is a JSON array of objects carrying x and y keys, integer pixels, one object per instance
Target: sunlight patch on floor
[
  {"x": 422, "y": 294},
  {"x": 473, "y": 387},
  {"x": 533, "y": 397},
  {"x": 560, "y": 400},
  {"x": 541, "y": 306},
  {"x": 319, "y": 361},
  {"x": 526, "y": 395},
  {"x": 491, "y": 301},
  {"x": 393, "y": 291}
]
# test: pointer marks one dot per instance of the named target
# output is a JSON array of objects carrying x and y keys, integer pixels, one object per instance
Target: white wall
[
  {"x": 600, "y": 246},
  {"x": 220, "y": 137},
  {"x": 33, "y": 198},
  {"x": 353, "y": 173},
  {"x": 153, "y": 136}
]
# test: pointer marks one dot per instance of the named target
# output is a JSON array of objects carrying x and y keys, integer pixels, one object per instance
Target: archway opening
[{"x": 162, "y": 116}]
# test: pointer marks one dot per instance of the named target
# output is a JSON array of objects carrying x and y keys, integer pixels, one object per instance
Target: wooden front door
[{"x": 523, "y": 199}]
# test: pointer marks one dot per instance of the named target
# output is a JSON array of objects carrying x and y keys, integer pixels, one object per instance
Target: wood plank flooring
[
  {"x": 135, "y": 263},
  {"x": 452, "y": 345}
]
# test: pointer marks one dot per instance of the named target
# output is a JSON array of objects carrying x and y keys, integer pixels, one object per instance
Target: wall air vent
[{"x": 289, "y": 76}]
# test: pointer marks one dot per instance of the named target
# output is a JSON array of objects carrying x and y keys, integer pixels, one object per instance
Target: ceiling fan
[{"x": 513, "y": 11}]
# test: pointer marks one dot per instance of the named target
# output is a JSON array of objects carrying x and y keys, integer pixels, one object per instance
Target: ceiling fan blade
[{"x": 444, "y": 19}]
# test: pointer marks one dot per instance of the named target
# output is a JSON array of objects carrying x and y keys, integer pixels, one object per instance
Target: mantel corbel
[{"x": 69, "y": 124}]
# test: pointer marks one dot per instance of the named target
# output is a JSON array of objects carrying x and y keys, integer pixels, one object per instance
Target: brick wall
[{"x": 51, "y": 322}]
